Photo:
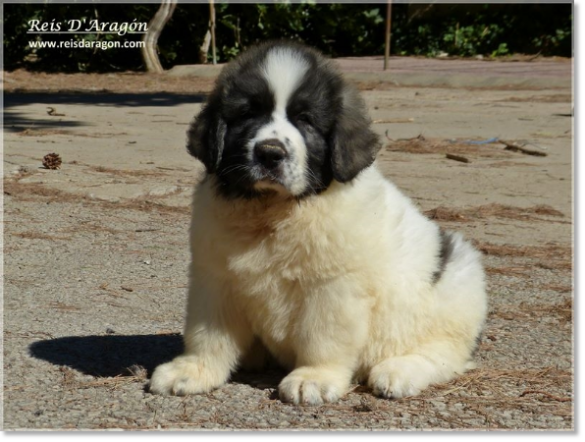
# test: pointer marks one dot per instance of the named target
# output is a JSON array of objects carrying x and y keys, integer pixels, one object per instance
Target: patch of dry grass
[
  {"x": 39, "y": 235},
  {"x": 127, "y": 172},
  {"x": 557, "y": 288},
  {"x": 518, "y": 391},
  {"x": 554, "y": 98},
  {"x": 546, "y": 252},
  {"x": 61, "y": 306},
  {"x": 39, "y": 192},
  {"x": 526, "y": 271},
  {"x": 23, "y": 81},
  {"x": 534, "y": 213},
  {"x": 519, "y": 271},
  {"x": 44, "y": 132},
  {"x": 423, "y": 145},
  {"x": 549, "y": 257},
  {"x": 562, "y": 311},
  {"x": 510, "y": 385},
  {"x": 135, "y": 374},
  {"x": 30, "y": 191},
  {"x": 507, "y": 163},
  {"x": 469, "y": 400},
  {"x": 50, "y": 132}
]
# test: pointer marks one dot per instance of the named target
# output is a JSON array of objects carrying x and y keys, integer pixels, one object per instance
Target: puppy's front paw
[
  {"x": 186, "y": 375},
  {"x": 400, "y": 377},
  {"x": 313, "y": 386}
]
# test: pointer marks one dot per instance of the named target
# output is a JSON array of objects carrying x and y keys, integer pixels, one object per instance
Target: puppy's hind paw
[
  {"x": 183, "y": 376},
  {"x": 400, "y": 377},
  {"x": 312, "y": 386}
]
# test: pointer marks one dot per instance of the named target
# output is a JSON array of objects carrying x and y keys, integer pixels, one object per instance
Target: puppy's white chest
[{"x": 273, "y": 307}]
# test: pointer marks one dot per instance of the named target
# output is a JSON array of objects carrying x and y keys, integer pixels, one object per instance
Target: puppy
[{"x": 303, "y": 251}]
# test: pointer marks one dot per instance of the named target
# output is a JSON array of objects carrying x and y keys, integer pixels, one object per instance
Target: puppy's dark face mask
[{"x": 281, "y": 119}]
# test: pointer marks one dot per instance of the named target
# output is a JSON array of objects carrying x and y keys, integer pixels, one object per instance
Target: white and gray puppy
[{"x": 304, "y": 252}]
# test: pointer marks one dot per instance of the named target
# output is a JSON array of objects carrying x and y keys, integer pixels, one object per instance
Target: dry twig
[
  {"x": 53, "y": 112},
  {"x": 457, "y": 158},
  {"x": 393, "y": 121},
  {"x": 515, "y": 148}
]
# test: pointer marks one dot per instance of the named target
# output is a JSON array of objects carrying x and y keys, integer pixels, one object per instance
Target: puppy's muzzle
[{"x": 270, "y": 153}]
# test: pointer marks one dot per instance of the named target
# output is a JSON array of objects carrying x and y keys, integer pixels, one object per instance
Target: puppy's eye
[
  {"x": 255, "y": 108},
  {"x": 247, "y": 111},
  {"x": 304, "y": 118}
]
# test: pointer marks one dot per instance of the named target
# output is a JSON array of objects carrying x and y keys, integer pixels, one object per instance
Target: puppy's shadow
[
  {"x": 109, "y": 355},
  {"x": 268, "y": 378},
  {"x": 118, "y": 355}
]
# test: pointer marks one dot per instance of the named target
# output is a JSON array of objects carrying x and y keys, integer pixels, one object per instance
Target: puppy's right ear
[{"x": 205, "y": 138}]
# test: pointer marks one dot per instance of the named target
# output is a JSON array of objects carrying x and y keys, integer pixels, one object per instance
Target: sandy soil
[{"x": 95, "y": 253}]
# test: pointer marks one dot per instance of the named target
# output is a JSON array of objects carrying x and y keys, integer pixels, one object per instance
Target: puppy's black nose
[{"x": 269, "y": 153}]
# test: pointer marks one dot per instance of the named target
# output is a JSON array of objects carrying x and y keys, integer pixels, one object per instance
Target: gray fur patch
[
  {"x": 476, "y": 345},
  {"x": 447, "y": 246}
]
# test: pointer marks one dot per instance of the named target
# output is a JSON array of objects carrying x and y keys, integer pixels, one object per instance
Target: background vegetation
[{"x": 336, "y": 29}]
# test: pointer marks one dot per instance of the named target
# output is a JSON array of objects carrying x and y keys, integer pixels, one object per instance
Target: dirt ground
[{"x": 95, "y": 253}]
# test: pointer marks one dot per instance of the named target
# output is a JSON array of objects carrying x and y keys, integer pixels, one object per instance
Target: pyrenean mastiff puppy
[{"x": 302, "y": 251}]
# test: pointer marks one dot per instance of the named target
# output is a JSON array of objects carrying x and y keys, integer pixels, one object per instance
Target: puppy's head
[{"x": 281, "y": 119}]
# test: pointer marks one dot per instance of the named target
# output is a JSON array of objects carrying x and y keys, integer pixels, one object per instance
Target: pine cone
[{"x": 52, "y": 161}]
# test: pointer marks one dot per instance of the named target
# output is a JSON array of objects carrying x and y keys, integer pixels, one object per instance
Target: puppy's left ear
[
  {"x": 205, "y": 138},
  {"x": 354, "y": 145}
]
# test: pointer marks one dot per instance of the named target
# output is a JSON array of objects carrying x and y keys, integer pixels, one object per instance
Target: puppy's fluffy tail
[{"x": 461, "y": 295}]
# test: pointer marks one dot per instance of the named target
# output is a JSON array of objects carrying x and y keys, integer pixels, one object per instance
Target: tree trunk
[
  {"x": 155, "y": 28},
  {"x": 204, "y": 49},
  {"x": 388, "y": 31},
  {"x": 212, "y": 29}
]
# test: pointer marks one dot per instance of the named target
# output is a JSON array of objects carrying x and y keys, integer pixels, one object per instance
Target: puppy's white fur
[
  {"x": 336, "y": 286},
  {"x": 284, "y": 70}
]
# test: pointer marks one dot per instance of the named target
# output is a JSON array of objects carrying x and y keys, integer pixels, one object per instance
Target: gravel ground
[{"x": 96, "y": 254}]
